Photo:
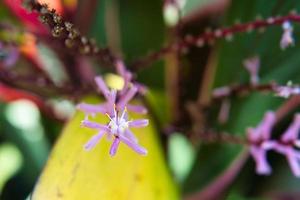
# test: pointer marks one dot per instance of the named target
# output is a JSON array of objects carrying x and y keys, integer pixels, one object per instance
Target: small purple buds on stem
[
  {"x": 252, "y": 65},
  {"x": 287, "y": 36},
  {"x": 286, "y": 91},
  {"x": 260, "y": 143}
]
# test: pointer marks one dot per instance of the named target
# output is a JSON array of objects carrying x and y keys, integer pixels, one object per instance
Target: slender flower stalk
[{"x": 226, "y": 32}]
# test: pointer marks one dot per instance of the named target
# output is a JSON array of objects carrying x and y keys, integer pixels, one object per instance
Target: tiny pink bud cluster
[{"x": 261, "y": 142}]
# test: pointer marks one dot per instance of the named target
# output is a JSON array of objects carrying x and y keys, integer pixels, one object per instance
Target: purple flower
[
  {"x": 127, "y": 77},
  {"x": 287, "y": 36},
  {"x": 286, "y": 91},
  {"x": 111, "y": 100},
  {"x": 286, "y": 145},
  {"x": 252, "y": 65},
  {"x": 115, "y": 108},
  {"x": 260, "y": 143},
  {"x": 117, "y": 128}
]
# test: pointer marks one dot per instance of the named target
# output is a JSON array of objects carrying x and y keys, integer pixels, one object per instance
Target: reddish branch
[
  {"x": 13, "y": 80},
  {"x": 236, "y": 90},
  {"x": 209, "y": 36}
]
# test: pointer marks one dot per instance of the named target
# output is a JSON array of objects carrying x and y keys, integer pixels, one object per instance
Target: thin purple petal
[
  {"x": 114, "y": 146},
  {"x": 111, "y": 100},
  {"x": 130, "y": 136},
  {"x": 92, "y": 109},
  {"x": 262, "y": 165},
  {"x": 102, "y": 87},
  {"x": 139, "y": 123},
  {"x": 126, "y": 97},
  {"x": 263, "y": 130},
  {"x": 142, "y": 89},
  {"x": 94, "y": 125},
  {"x": 120, "y": 66},
  {"x": 266, "y": 125},
  {"x": 133, "y": 145},
  {"x": 137, "y": 109},
  {"x": 93, "y": 141},
  {"x": 126, "y": 75}
]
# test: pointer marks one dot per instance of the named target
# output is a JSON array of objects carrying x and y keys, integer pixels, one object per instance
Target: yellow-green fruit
[{"x": 72, "y": 173}]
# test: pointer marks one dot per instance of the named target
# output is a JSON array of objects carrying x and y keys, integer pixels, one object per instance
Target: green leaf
[
  {"x": 72, "y": 173},
  {"x": 142, "y": 31}
]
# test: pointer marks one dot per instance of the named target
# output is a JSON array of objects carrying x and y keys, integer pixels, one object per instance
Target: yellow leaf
[{"x": 72, "y": 173}]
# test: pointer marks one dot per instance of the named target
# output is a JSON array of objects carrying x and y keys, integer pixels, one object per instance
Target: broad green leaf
[
  {"x": 142, "y": 30},
  {"x": 72, "y": 173}
]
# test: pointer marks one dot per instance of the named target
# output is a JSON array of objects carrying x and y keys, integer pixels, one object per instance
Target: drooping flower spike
[{"x": 287, "y": 36}]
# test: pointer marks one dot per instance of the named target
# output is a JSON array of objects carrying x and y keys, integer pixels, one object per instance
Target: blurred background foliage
[{"x": 133, "y": 28}]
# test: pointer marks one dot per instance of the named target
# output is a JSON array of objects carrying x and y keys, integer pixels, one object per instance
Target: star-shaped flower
[
  {"x": 115, "y": 108},
  {"x": 117, "y": 128}
]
